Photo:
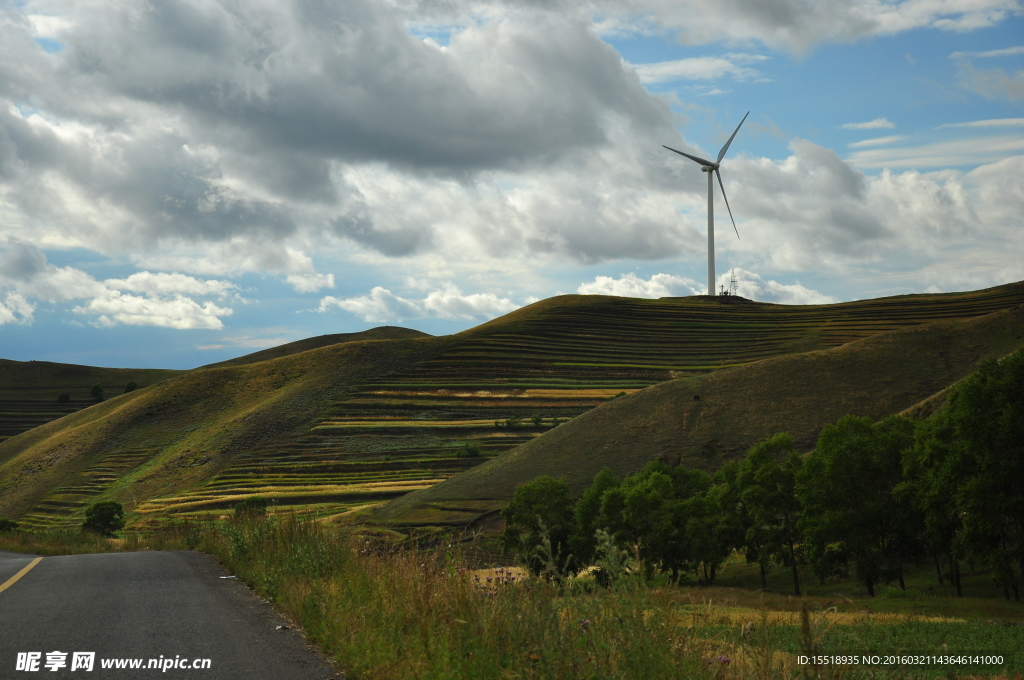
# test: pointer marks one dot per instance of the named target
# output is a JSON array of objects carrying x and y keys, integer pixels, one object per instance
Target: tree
[
  {"x": 131, "y": 386},
  {"x": 587, "y": 512},
  {"x": 540, "y": 508},
  {"x": 7, "y": 525},
  {"x": 853, "y": 513},
  {"x": 104, "y": 518},
  {"x": 766, "y": 481},
  {"x": 64, "y": 398},
  {"x": 97, "y": 392},
  {"x": 976, "y": 446}
]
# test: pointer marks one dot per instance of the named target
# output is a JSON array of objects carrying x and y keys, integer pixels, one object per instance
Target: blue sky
[{"x": 189, "y": 181}]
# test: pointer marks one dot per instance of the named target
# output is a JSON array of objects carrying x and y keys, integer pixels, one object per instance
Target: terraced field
[{"x": 555, "y": 360}]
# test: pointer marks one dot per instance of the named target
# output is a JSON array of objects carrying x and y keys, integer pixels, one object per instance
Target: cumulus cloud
[
  {"x": 160, "y": 283},
  {"x": 753, "y": 287},
  {"x": 381, "y": 305},
  {"x": 177, "y": 312},
  {"x": 26, "y": 274},
  {"x": 631, "y": 285},
  {"x": 16, "y": 309},
  {"x": 749, "y": 285},
  {"x": 870, "y": 125}
]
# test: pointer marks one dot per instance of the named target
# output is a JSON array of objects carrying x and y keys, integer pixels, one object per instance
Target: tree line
[{"x": 871, "y": 499}]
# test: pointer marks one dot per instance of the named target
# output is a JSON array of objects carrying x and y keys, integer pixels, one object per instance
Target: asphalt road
[{"x": 171, "y": 607}]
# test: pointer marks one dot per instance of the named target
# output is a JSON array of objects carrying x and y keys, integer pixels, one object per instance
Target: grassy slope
[
  {"x": 379, "y": 333},
  {"x": 181, "y": 431},
  {"x": 800, "y": 393}
]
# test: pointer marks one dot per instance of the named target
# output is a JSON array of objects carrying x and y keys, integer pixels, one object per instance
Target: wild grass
[{"x": 384, "y": 610}]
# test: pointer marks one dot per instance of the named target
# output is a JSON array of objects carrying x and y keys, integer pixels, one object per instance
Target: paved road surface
[{"x": 144, "y": 605}]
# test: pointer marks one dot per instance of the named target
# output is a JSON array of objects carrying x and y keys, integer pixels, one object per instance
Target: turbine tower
[{"x": 712, "y": 167}]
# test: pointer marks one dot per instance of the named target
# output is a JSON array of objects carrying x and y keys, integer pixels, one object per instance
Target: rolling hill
[
  {"x": 342, "y": 425},
  {"x": 702, "y": 421}
]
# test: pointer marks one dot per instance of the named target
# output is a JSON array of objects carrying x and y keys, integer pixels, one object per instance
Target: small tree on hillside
[
  {"x": 104, "y": 518},
  {"x": 97, "y": 392},
  {"x": 131, "y": 386},
  {"x": 64, "y": 398}
]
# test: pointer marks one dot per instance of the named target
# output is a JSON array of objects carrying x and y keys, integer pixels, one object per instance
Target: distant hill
[
  {"x": 379, "y": 333},
  {"x": 327, "y": 429},
  {"x": 29, "y": 390},
  {"x": 702, "y": 421}
]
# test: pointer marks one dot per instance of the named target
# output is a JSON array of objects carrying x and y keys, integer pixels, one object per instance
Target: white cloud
[
  {"x": 992, "y": 122},
  {"x": 381, "y": 305},
  {"x": 16, "y": 309},
  {"x": 177, "y": 312},
  {"x": 699, "y": 68},
  {"x": 160, "y": 283},
  {"x": 753, "y": 287},
  {"x": 870, "y": 125},
  {"x": 877, "y": 141},
  {"x": 971, "y": 151},
  {"x": 310, "y": 283},
  {"x": 631, "y": 285},
  {"x": 1004, "y": 52}
]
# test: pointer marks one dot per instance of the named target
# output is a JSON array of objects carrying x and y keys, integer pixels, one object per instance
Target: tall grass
[{"x": 385, "y": 612}]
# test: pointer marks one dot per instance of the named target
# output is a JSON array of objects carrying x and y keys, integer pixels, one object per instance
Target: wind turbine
[{"x": 712, "y": 167}]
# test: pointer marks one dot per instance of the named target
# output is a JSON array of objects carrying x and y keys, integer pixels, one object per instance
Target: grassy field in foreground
[{"x": 384, "y": 612}]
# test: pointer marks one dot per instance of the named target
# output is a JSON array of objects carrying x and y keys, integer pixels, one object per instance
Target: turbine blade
[
  {"x": 692, "y": 158},
  {"x": 719, "y": 176},
  {"x": 721, "y": 154}
]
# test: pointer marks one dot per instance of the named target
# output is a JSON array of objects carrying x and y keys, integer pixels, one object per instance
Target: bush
[
  {"x": 131, "y": 386},
  {"x": 97, "y": 392},
  {"x": 104, "y": 518},
  {"x": 537, "y": 420},
  {"x": 468, "y": 450},
  {"x": 63, "y": 397},
  {"x": 254, "y": 506},
  {"x": 7, "y": 525}
]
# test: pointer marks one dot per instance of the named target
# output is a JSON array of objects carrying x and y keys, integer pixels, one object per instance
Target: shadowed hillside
[
  {"x": 29, "y": 390},
  {"x": 705, "y": 420}
]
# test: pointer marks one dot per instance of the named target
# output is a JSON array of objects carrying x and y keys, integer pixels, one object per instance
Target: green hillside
[
  {"x": 702, "y": 421},
  {"x": 340, "y": 426}
]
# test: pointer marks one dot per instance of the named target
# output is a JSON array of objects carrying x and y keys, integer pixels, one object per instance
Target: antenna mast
[{"x": 732, "y": 282}]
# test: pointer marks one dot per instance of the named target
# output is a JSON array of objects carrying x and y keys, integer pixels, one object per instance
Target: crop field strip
[{"x": 406, "y": 429}]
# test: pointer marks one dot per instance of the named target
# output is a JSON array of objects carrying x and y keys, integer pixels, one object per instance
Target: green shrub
[
  {"x": 104, "y": 518},
  {"x": 537, "y": 420},
  {"x": 97, "y": 392},
  {"x": 63, "y": 397},
  {"x": 254, "y": 506},
  {"x": 7, "y": 524},
  {"x": 468, "y": 450},
  {"x": 131, "y": 386}
]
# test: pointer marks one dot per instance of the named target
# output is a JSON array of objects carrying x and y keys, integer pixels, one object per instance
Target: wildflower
[
  {"x": 724, "y": 659},
  {"x": 585, "y": 625}
]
